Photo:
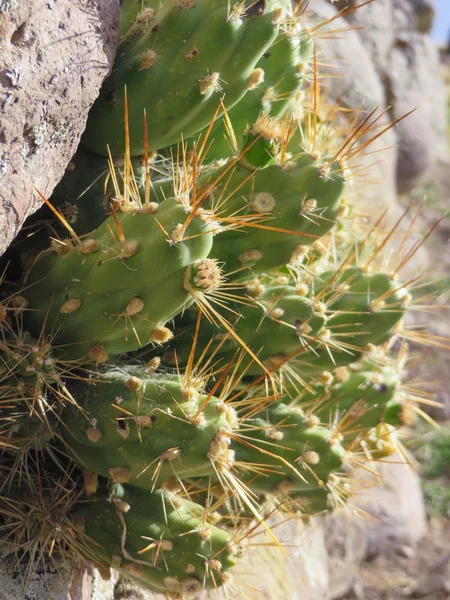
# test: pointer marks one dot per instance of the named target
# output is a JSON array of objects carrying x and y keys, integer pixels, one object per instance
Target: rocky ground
[{"x": 421, "y": 573}]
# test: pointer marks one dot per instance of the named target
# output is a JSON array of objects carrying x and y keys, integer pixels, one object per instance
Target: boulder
[
  {"x": 406, "y": 62},
  {"x": 351, "y": 77},
  {"x": 54, "y": 55}
]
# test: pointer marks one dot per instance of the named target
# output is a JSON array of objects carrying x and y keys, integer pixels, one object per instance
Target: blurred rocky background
[{"x": 391, "y": 544}]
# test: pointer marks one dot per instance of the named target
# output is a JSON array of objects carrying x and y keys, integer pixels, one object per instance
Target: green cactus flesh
[
  {"x": 143, "y": 429},
  {"x": 283, "y": 451},
  {"x": 158, "y": 540},
  {"x": 135, "y": 11},
  {"x": 278, "y": 321},
  {"x": 286, "y": 209},
  {"x": 362, "y": 309},
  {"x": 177, "y": 65},
  {"x": 108, "y": 295},
  {"x": 358, "y": 400},
  {"x": 21, "y": 430},
  {"x": 329, "y": 327},
  {"x": 282, "y": 68}
]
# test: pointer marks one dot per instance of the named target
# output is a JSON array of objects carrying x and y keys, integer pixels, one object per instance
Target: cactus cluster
[{"x": 211, "y": 331}]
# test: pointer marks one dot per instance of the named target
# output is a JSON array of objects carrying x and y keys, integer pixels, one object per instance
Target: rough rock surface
[
  {"x": 352, "y": 81},
  {"x": 54, "y": 55},
  {"x": 405, "y": 63}
]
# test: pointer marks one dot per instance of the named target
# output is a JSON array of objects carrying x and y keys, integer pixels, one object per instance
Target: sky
[{"x": 441, "y": 26}]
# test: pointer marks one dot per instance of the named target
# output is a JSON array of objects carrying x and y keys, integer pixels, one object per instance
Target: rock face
[
  {"x": 404, "y": 62},
  {"x": 54, "y": 55}
]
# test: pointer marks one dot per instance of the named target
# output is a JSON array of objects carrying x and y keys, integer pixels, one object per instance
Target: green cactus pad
[
  {"x": 356, "y": 399},
  {"x": 277, "y": 321},
  {"x": 159, "y": 540},
  {"x": 282, "y": 65},
  {"x": 177, "y": 65},
  {"x": 142, "y": 428},
  {"x": 286, "y": 452},
  {"x": 294, "y": 207},
  {"x": 20, "y": 430},
  {"x": 362, "y": 309},
  {"x": 108, "y": 296}
]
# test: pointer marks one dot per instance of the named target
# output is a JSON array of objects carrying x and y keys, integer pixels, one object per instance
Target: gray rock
[
  {"x": 49, "y": 580},
  {"x": 414, "y": 82},
  {"x": 354, "y": 83},
  {"x": 407, "y": 67},
  {"x": 418, "y": 14},
  {"x": 54, "y": 55},
  {"x": 396, "y": 507}
]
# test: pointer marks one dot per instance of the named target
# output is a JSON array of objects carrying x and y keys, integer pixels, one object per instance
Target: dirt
[{"x": 422, "y": 573}]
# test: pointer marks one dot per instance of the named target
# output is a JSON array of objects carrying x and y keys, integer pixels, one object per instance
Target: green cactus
[
  {"x": 159, "y": 540},
  {"x": 285, "y": 453},
  {"x": 277, "y": 321},
  {"x": 353, "y": 399},
  {"x": 20, "y": 430},
  {"x": 314, "y": 329},
  {"x": 177, "y": 63},
  {"x": 142, "y": 429},
  {"x": 86, "y": 192},
  {"x": 256, "y": 114},
  {"x": 233, "y": 258},
  {"x": 286, "y": 209},
  {"x": 114, "y": 292}
]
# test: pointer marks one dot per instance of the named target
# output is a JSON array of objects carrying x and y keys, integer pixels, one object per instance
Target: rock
[
  {"x": 407, "y": 67},
  {"x": 49, "y": 580},
  {"x": 347, "y": 548},
  {"x": 87, "y": 584},
  {"x": 396, "y": 508},
  {"x": 388, "y": 515},
  {"x": 353, "y": 83},
  {"x": 414, "y": 82},
  {"x": 54, "y": 55},
  {"x": 419, "y": 14}
]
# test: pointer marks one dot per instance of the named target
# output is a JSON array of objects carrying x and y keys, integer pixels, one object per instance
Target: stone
[
  {"x": 419, "y": 14},
  {"x": 387, "y": 516},
  {"x": 54, "y": 55},
  {"x": 49, "y": 580},
  {"x": 352, "y": 81},
  {"x": 396, "y": 508},
  {"x": 394, "y": 35},
  {"x": 415, "y": 84}
]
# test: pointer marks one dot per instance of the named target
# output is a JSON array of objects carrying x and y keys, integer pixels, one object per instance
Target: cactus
[
  {"x": 283, "y": 66},
  {"x": 298, "y": 453},
  {"x": 86, "y": 193},
  {"x": 142, "y": 429},
  {"x": 355, "y": 399},
  {"x": 176, "y": 63},
  {"x": 236, "y": 264},
  {"x": 20, "y": 430},
  {"x": 159, "y": 540},
  {"x": 103, "y": 290},
  {"x": 286, "y": 209},
  {"x": 314, "y": 329}
]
